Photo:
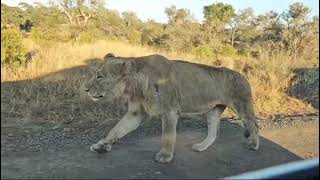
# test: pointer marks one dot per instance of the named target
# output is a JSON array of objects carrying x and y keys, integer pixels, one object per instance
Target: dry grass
[{"x": 269, "y": 77}]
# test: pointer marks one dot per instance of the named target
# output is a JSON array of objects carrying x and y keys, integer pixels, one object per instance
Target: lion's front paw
[
  {"x": 162, "y": 157},
  {"x": 101, "y": 147}
]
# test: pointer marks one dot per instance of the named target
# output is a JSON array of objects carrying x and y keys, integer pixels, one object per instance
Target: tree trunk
[
  {"x": 85, "y": 17},
  {"x": 63, "y": 10},
  {"x": 233, "y": 36}
]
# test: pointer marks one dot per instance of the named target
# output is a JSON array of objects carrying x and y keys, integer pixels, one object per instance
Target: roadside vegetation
[{"x": 38, "y": 40}]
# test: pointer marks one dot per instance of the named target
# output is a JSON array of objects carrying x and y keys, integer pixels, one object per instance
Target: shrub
[
  {"x": 84, "y": 38},
  {"x": 85, "y": 35},
  {"x": 46, "y": 37},
  {"x": 12, "y": 50},
  {"x": 134, "y": 37},
  {"x": 228, "y": 50},
  {"x": 203, "y": 51}
]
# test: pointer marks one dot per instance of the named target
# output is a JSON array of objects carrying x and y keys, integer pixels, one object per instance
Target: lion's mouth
[{"x": 96, "y": 97}]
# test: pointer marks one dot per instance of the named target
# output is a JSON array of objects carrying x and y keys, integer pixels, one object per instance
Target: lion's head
[{"x": 108, "y": 81}]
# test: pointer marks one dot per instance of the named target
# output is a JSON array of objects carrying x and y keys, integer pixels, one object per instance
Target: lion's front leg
[
  {"x": 168, "y": 138},
  {"x": 128, "y": 123}
]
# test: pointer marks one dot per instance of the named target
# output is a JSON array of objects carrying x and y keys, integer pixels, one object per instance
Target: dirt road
[{"x": 50, "y": 152}]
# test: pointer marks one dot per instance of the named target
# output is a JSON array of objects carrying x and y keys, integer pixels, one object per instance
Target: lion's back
[
  {"x": 202, "y": 84},
  {"x": 187, "y": 75}
]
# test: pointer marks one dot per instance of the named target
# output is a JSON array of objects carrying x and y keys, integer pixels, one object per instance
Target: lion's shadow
[
  {"x": 50, "y": 98},
  {"x": 227, "y": 156}
]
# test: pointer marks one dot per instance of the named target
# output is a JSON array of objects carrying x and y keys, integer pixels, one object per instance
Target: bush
[
  {"x": 228, "y": 50},
  {"x": 203, "y": 51},
  {"x": 134, "y": 37},
  {"x": 12, "y": 50},
  {"x": 85, "y": 35},
  {"x": 46, "y": 37},
  {"x": 84, "y": 38}
]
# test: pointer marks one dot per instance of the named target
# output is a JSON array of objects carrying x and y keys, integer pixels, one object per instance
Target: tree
[
  {"x": 218, "y": 15},
  {"x": 178, "y": 16},
  {"x": 11, "y": 16},
  {"x": 130, "y": 18},
  {"x": 241, "y": 22},
  {"x": 297, "y": 13},
  {"x": 78, "y": 11},
  {"x": 298, "y": 30},
  {"x": 179, "y": 34},
  {"x": 110, "y": 22},
  {"x": 269, "y": 32},
  {"x": 151, "y": 33}
]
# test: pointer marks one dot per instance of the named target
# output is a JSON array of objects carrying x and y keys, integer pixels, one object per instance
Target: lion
[{"x": 156, "y": 86}]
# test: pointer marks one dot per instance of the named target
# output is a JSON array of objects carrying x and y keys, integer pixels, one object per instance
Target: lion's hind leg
[
  {"x": 251, "y": 130},
  {"x": 213, "y": 120},
  {"x": 247, "y": 115}
]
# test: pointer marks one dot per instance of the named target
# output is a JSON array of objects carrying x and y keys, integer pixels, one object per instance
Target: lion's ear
[{"x": 108, "y": 56}]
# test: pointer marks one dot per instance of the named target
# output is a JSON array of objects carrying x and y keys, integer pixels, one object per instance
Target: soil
[{"x": 51, "y": 151}]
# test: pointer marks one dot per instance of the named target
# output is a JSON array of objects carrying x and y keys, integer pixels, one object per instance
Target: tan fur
[{"x": 156, "y": 86}]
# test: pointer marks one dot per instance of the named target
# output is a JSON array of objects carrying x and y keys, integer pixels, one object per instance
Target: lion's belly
[
  {"x": 197, "y": 108},
  {"x": 196, "y": 104},
  {"x": 153, "y": 109}
]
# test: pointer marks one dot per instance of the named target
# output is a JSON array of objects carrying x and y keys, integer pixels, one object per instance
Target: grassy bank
[{"x": 54, "y": 72}]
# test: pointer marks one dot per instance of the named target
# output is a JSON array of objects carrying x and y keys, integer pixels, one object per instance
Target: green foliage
[
  {"x": 298, "y": 11},
  {"x": 12, "y": 50},
  {"x": 47, "y": 37},
  {"x": 131, "y": 20},
  {"x": 178, "y": 16},
  {"x": 110, "y": 22},
  {"x": 84, "y": 38},
  {"x": 151, "y": 34},
  {"x": 134, "y": 37},
  {"x": 203, "y": 51},
  {"x": 11, "y": 16},
  {"x": 180, "y": 34},
  {"x": 218, "y": 14},
  {"x": 228, "y": 50},
  {"x": 223, "y": 32}
]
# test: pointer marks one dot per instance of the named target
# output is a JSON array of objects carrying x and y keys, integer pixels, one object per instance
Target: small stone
[
  {"x": 157, "y": 172},
  {"x": 10, "y": 134}
]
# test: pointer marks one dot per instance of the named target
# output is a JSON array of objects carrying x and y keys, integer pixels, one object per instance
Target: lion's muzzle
[{"x": 95, "y": 96}]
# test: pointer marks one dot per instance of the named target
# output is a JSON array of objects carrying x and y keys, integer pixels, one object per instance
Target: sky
[{"x": 154, "y": 9}]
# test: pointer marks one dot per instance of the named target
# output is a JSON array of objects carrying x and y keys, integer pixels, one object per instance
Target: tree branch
[
  {"x": 69, "y": 16},
  {"x": 85, "y": 17}
]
